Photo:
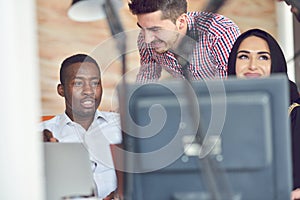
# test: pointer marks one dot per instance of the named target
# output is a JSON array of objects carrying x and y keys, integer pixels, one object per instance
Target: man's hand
[
  {"x": 110, "y": 196},
  {"x": 48, "y": 136},
  {"x": 113, "y": 196}
]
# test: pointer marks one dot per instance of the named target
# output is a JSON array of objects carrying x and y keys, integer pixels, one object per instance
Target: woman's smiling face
[{"x": 253, "y": 58}]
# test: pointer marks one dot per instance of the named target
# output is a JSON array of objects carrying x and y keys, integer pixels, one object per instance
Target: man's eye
[
  {"x": 95, "y": 83},
  {"x": 155, "y": 29},
  {"x": 78, "y": 83}
]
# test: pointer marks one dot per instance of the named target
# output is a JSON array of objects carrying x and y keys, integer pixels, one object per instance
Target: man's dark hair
[
  {"x": 77, "y": 58},
  {"x": 171, "y": 9}
]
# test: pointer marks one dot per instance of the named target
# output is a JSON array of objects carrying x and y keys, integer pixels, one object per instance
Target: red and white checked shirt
[{"x": 215, "y": 35}]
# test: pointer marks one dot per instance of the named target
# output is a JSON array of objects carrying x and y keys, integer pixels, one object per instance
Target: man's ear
[
  {"x": 60, "y": 90},
  {"x": 181, "y": 21}
]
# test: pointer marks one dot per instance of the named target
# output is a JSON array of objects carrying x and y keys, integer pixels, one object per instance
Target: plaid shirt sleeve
[{"x": 222, "y": 48}]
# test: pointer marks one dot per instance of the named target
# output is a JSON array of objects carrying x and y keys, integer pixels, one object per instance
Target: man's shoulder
[
  {"x": 210, "y": 18},
  {"x": 211, "y": 22},
  {"x": 54, "y": 119},
  {"x": 52, "y": 123}
]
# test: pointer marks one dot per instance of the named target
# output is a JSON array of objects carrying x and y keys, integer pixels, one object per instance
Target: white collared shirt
[{"x": 104, "y": 130}]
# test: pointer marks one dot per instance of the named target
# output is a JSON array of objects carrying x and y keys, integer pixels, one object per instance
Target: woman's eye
[
  {"x": 242, "y": 56},
  {"x": 264, "y": 57}
]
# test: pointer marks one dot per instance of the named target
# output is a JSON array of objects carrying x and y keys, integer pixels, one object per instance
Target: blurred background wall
[{"x": 59, "y": 37}]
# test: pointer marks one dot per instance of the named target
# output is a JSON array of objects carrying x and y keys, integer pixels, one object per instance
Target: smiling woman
[
  {"x": 257, "y": 54},
  {"x": 253, "y": 58},
  {"x": 268, "y": 55}
]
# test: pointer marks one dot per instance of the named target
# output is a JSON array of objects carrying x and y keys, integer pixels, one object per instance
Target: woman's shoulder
[
  {"x": 295, "y": 106},
  {"x": 297, "y": 101}
]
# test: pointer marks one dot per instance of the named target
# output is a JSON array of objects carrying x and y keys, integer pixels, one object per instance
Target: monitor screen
[{"x": 207, "y": 140}]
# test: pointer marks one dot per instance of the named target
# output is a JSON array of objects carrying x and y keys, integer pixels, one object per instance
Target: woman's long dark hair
[{"x": 278, "y": 62}]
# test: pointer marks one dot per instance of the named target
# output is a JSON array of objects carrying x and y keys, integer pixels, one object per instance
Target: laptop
[{"x": 68, "y": 171}]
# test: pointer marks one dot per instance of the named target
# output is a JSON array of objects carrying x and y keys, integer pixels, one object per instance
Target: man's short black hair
[
  {"x": 77, "y": 58},
  {"x": 171, "y": 9}
]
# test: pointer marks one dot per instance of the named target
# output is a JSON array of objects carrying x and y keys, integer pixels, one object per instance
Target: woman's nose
[{"x": 252, "y": 64}]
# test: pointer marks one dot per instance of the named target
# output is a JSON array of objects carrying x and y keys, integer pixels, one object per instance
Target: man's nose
[
  {"x": 88, "y": 89},
  {"x": 149, "y": 36}
]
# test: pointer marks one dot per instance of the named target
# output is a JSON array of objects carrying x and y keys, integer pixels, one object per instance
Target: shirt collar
[
  {"x": 100, "y": 115},
  {"x": 64, "y": 120},
  {"x": 191, "y": 32},
  {"x": 190, "y": 21}
]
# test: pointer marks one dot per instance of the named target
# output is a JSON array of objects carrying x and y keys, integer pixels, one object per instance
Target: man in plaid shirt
[{"x": 166, "y": 28}]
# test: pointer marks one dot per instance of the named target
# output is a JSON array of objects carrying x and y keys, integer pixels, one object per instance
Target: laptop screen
[{"x": 68, "y": 171}]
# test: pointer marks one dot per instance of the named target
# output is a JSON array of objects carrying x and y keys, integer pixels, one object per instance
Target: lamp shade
[{"x": 90, "y": 10}]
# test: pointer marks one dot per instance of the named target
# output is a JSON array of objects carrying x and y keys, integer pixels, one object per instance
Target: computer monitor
[{"x": 245, "y": 153}]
